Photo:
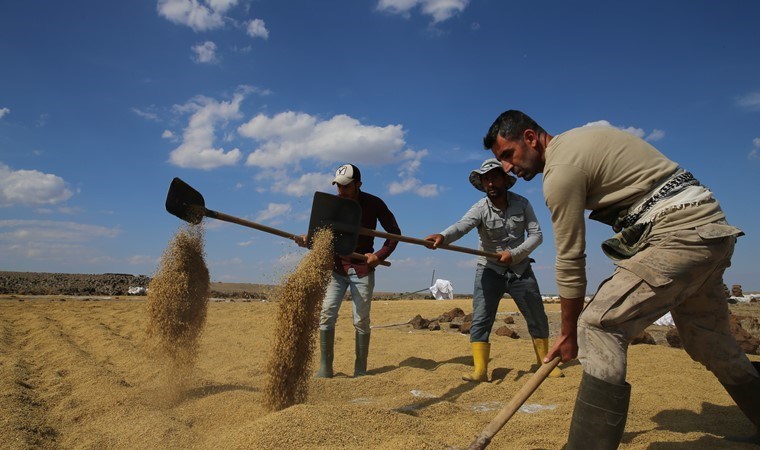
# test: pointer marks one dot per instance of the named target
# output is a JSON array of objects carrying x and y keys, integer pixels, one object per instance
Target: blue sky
[{"x": 255, "y": 103}]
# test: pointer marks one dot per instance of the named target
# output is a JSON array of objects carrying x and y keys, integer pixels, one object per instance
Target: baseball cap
[
  {"x": 346, "y": 174},
  {"x": 487, "y": 166}
]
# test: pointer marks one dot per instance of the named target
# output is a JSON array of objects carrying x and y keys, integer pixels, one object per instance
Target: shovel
[
  {"x": 509, "y": 410},
  {"x": 188, "y": 204},
  {"x": 341, "y": 215}
]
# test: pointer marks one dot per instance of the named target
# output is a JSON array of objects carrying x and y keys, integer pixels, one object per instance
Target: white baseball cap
[{"x": 346, "y": 174}]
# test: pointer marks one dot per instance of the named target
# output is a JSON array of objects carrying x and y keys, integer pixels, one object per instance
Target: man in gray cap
[{"x": 508, "y": 226}]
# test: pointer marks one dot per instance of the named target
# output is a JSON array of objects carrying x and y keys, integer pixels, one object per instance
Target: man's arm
[
  {"x": 566, "y": 344},
  {"x": 388, "y": 222},
  {"x": 470, "y": 220},
  {"x": 534, "y": 235}
]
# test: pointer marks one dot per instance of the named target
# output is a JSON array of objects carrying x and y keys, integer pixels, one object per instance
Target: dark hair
[{"x": 510, "y": 125}]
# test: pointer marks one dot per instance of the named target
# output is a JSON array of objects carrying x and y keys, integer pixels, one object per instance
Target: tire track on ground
[{"x": 25, "y": 420}]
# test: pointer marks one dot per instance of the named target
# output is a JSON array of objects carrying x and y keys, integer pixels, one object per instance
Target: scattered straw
[
  {"x": 177, "y": 303},
  {"x": 300, "y": 299}
]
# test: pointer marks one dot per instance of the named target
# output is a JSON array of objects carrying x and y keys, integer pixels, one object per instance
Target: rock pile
[
  {"x": 456, "y": 318},
  {"x": 34, "y": 283}
]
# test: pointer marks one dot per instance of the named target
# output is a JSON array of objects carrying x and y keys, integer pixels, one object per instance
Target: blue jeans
[
  {"x": 361, "y": 296},
  {"x": 489, "y": 289}
]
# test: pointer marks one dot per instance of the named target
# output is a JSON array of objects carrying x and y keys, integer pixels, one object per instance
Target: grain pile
[
  {"x": 176, "y": 306},
  {"x": 300, "y": 299}
]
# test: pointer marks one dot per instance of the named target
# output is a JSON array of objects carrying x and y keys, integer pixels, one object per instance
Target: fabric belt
[{"x": 672, "y": 186}]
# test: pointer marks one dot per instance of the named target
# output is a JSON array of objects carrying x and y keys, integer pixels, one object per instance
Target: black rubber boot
[
  {"x": 326, "y": 343},
  {"x": 362, "y": 350},
  {"x": 747, "y": 398},
  {"x": 601, "y": 410}
]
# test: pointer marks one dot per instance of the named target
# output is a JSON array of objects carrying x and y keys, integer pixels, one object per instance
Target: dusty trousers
[{"x": 680, "y": 272}]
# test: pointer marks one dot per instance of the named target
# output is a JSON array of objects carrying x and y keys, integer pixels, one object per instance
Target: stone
[
  {"x": 508, "y": 332},
  {"x": 643, "y": 338},
  {"x": 674, "y": 340}
]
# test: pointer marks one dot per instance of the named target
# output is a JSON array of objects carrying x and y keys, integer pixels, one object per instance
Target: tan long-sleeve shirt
[{"x": 603, "y": 168}]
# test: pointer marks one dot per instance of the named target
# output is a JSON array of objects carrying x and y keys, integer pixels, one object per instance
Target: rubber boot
[
  {"x": 362, "y": 350},
  {"x": 541, "y": 346},
  {"x": 747, "y": 398},
  {"x": 326, "y": 344},
  {"x": 601, "y": 410},
  {"x": 480, "y": 352}
]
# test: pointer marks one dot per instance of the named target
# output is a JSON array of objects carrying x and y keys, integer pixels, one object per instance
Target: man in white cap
[
  {"x": 355, "y": 274},
  {"x": 508, "y": 226}
]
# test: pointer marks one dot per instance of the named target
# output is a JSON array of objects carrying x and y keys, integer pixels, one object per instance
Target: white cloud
[
  {"x": 137, "y": 260},
  {"x": 31, "y": 187},
  {"x": 750, "y": 101},
  {"x": 196, "y": 14},
  {"x": 290, "y": 137},
  {"x": 273, "y": 210},
  {"x": 36, "y": 231},
  {"x": 4, "y": 112},
  {"x": 196, "y": 150},
  {"x": 205, "y": 53},
  {"x": 439, "y": 10},
  {"x": 655, "y": 135},
  {"x": 305, "y": 184},
  {"x": 409, "y": 182},
  {"x": 168, "y": 134},
  {"x": 257, "y": 29},
  {"x": 755, "y": 153},
  {"x": 149, "y": 114}
]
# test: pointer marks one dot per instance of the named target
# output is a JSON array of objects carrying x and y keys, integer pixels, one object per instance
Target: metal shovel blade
[
  {"x": 342, "y": 215},
  {"x": 185, "y": 202}
]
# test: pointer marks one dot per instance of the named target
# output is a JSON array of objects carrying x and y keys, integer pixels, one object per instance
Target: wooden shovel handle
[
  {"x": 411, "y": 240},
  {"x": 266, "y": 229},
  {"x": 506, "y": 413}
]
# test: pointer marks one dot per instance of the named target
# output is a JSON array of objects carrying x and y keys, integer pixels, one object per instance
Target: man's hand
[
  {"x": 300, "y": 240},
  {"x": 435, "y": 240},
  {"x": 505, "y": 257},
  {"x": 372, "y": 260},
  {"x": 566, "y": 345}
]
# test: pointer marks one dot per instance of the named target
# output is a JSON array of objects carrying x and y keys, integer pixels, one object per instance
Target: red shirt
[{"x": 373, "y": 210}]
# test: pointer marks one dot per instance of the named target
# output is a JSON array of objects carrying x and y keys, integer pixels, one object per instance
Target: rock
[
  {"x": 643, "y": 338},
  {"x": 449, "y": 316},
  {"x": 467, "y": 318},
  {"x": 434, "y": 325},
  {"x": 508, "y": 332},
  {"x": 418, "y": 323},
  {"x": 748, "y": 343},
  {"x": 509, "y": 320},
  {"x": 674, "y": 340},
  {"x": 464, "y": 328},
  {"x": 736, "y": 291}
]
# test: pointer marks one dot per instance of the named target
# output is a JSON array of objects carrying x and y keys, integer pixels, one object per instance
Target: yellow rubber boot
[
  {"x": 542, "y": 348},
  {"x": 480, "y": 352}
]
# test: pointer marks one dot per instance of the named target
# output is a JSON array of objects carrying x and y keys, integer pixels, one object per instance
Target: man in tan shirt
[{"x": 672, "y": 247}]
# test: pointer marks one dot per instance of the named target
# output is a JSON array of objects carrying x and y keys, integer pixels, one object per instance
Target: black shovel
[
  {"x": 340, "y": 214},
  {"x": 188, "y": 204}
]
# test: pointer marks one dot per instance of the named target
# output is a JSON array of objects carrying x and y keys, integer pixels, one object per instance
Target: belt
[{"x": 671, "y": 187}]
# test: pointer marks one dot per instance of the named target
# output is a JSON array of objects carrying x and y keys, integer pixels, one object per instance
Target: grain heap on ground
[
  {"x": 177, "y": 303},
  {"x": 300, "y": 299}
]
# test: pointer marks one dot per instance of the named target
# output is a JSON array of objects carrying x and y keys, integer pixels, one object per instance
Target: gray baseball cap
[{"x": 487, "y": 166}]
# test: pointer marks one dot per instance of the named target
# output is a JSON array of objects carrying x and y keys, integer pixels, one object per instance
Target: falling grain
[
  {"x": 300, "y": 299},
  {"x": 177, "y": 304}
]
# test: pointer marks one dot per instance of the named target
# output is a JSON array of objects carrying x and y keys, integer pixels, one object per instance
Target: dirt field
[{"x": 74, "y": 373}]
